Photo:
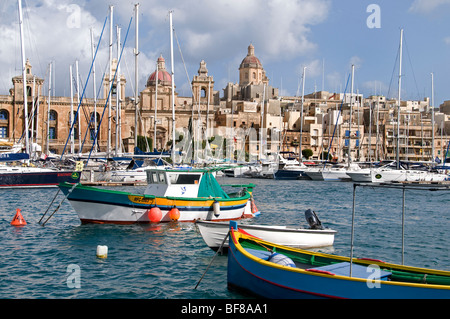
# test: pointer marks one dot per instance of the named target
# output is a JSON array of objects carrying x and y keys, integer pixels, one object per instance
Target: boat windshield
[{"x": 184, "y": 178}]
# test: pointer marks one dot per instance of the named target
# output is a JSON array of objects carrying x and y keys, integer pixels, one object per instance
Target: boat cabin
[
  {"x": 183, "y": 183},
  {"x": 177, "y": 183}
]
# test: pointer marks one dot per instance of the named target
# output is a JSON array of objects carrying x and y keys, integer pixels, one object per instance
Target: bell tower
[{"x": 203, "y": 85}]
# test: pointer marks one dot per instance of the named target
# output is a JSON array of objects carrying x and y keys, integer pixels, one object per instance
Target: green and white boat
[{"x": 174, "y": 194}]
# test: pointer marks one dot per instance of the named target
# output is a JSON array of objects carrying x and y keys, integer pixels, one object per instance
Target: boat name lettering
[
  {"x": 140, "y": 199},
  {"x": 64, "y": 174}
]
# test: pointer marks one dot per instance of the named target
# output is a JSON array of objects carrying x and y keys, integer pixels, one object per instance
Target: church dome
[
  {"x": 250, "y": 61},
  {"x": 164, "y": 77}
]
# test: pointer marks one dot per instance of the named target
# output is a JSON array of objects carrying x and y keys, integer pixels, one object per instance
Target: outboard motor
[{"x": 313, "y": 220}]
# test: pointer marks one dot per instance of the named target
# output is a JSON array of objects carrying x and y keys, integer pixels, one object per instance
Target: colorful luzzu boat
[{"x": 182, "y": 195}]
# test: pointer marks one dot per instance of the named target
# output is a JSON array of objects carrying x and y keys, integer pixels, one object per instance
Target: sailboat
[
  {"x": 23, "y": 174},
  {"x": 399, "y": 173}
]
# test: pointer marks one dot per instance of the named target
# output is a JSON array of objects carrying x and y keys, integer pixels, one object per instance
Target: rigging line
[
  {"x": 83, "y": 106},
  {"x": 94, "y": 144},
  {"x": 32, "y": 40},
  {"x": 184, "y": 64},
  {"x": 110, "y": 88},
  {"x": 84, "y": 90},
  {"x": 412, "y": 69},
  {"x": 393, "y": 70},
  {"x": 339, "y": 113}
]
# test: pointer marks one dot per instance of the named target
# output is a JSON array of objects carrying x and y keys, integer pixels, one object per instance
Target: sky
[{"x": 325, "y": 36}]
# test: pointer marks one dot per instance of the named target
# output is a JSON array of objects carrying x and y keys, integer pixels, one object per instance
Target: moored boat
[
  {"x": 30, "y": 177},
  {"x": 178, "y": 194},
  {"x": 213, "y": 233},
  {"x": 268, "y": 270}
]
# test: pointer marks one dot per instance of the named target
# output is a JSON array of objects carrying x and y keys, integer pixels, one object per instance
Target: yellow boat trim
[
  {"x": 303, "y": 271},
  {"x": 197, "y": 202}
]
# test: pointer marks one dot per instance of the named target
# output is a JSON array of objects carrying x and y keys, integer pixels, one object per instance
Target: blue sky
[{"x": 287, "y": 35}]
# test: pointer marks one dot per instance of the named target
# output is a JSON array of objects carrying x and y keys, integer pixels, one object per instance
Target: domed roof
[
  {"x": 250, "y": 60},
  {"x": 164, "y": 77}
]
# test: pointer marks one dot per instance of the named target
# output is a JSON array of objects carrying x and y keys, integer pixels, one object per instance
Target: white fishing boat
[
  {"x": 214, "y": 233},
  {"x": 171, "y": 195}
]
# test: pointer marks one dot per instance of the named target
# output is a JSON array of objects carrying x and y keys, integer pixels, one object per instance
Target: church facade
[{"x": 110, "y": 120}]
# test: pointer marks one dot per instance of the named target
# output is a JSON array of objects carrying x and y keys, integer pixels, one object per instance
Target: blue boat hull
[
  {"x": 249, "y": 271},
  {"x": 289, "y": 174},
  {"x": 38, "y": 179}
]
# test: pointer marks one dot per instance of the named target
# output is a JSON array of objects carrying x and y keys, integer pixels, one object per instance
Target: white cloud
[
  {"x": 356, "y": 61},
  {"x": 375, "y": 87},
  {"x": 427, "y": 6},
  {"x": 216, "y": 31}
]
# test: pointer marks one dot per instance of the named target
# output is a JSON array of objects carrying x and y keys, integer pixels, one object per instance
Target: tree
[
  {"x": 142, "y": 143},
  {"x": 307, "y": 153}
]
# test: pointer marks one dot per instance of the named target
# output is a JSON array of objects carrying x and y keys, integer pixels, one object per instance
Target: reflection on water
[{"x": 167, "y": 260}]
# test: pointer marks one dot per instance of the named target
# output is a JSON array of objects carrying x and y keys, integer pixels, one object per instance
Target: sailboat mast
[
  {"x": 156, "y": 107},
  {"x": 261, "y": 134},
  {"x": 78, "y": 103},
  {"x": 94, "y": 88},
  {"x": 117, "y": 148},
  {"x": 24, "y": 75},
  {"x": 399, "y": 94},
  {"x": 71, "y": 110},
  {"x": 432, "y": 118},
  {"x": 136, "y": 75},
  {"x": 300, "y": 155},
  {"x": 48, "y": 109},
  {"x": 173, "y": 89},
  {"x": 350, "y": 120},
  {"x": 111, "y": 13}
]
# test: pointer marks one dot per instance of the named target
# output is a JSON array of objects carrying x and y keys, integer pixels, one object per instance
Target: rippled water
[{"x": 167, "y": 261}]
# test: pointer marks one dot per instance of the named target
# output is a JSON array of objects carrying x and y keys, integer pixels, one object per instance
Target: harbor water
[{"x": 166, "y": 261}]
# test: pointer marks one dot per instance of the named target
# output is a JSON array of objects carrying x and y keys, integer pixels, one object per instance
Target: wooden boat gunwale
[{"x": 237, "y": 235}]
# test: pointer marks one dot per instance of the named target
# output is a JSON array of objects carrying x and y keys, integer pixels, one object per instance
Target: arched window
[
  {"x": 53, "y": 116},
  {"x": 3, "y": 115},
  {"x": 92, "y": 126}
]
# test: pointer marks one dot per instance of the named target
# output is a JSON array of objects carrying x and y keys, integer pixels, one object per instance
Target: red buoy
[
  {"x": 154, "y": 214},
  {"x": 18, "y": 219},
  {"x": 174, "y": 214}
]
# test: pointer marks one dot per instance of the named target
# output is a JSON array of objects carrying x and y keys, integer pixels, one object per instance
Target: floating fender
[
  {"x": 216, "y": 208},
  {"x": 281, "y": 259},
  {"x": 174, "y": 214},
  {"x": 154, "y": 214}
]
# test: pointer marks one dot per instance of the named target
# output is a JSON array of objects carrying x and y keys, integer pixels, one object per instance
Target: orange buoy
[
  {"x": 174, "y": 214},
  {"x": 255, "y": 210},
  {"x": 154, "y": 214},
  {"x": 18, "y": 219}
]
